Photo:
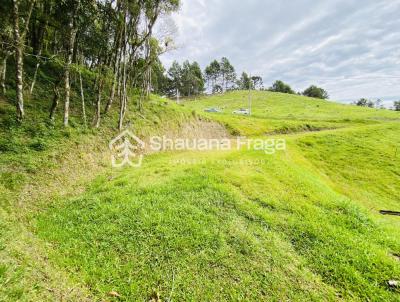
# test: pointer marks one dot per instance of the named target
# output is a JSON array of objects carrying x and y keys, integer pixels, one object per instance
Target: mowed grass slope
[
  {"x": 242, "y": 225},
  {"x": 285, "y": 113}
]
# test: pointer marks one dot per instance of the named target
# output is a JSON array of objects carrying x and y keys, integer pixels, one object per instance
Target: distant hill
[{"x": 285, "y": 113}]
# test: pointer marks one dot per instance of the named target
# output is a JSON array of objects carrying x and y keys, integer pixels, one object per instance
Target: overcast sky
[{"x": 349, "y": 47}]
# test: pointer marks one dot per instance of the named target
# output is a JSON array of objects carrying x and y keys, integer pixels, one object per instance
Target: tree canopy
[
  {"x": 316, "y": 92},
  {"x": 186, "y": 80},
  {"x": 213, "y": 73},
  {"x": 397, "y": 105},
  {"x": 363, "y": 102},
  {"x": 280, "y": 86},
  {"x": 113, "y": 40},
  {"x": 245, "y": 83}
]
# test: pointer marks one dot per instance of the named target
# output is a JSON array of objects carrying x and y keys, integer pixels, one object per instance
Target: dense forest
[{"x": 106, "y": 46}]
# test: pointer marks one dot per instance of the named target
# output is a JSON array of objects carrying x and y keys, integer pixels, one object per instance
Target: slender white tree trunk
[
  {"x": 146, "y": 86},
  {"x": 115, "y": 80},
  {"x": 70, "y": 53},
  {"x": 3, "y": 74},
  {"x": 67, "y": 86},
  {"x": 83, "y": 101},
  {"x": 55, "y": 103},
  {"x": 34, "y": 78},
  {"x": 148, "y": 69},
  {"x": 19, "y": 62},
  {"x": 36, "y": 72},
  {"x": 98, "y": 104},
  {"x": 123, "y": 96}
]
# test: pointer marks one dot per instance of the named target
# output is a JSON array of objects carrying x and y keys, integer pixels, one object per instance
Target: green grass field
[
  {"x": 285, "y": 113},
  {"x": 299, "y": 225}
]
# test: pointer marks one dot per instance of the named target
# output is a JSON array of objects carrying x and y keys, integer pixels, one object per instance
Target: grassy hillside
[
  {"x": 41, "y": 161},
  {"x": 235, "y": 225},
  {"x": 285, "y": 113}
]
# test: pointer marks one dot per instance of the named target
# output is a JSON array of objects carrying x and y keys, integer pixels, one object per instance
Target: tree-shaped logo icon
[{"x": 127, "y": 149}]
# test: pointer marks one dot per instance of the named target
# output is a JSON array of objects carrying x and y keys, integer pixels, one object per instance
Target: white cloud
[{"x": 351, "y": 47}]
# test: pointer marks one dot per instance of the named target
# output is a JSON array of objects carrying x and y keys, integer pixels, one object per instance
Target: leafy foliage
[
  {"x": 187, "y": 80},
  {"x": 316, "y": 92},
  {"x": 113, "y": 40},
  {"x": 280, "y": 86},
  {"x": 365, "y": 103},
  {"x": 245, "y": 83},
  {"x": 213, "y": 73},
  {"x": 397, "y": 105}
]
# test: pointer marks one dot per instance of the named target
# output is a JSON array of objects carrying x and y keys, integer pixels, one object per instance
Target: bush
[
  {"x": 39, "y": 145},
  {"x": 7, "y": 146},
  {"x": 316, "y": 92},
  {"x": 282, "y": 87}
]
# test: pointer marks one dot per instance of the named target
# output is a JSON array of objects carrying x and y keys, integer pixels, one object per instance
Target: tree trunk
[
  {"x": 146, "y": 87},
  {"x": 67, "y": 93},
  {"x": 119, "y": 82},
  {"x": 35, "y": 74},
  {"x": 115, "y": 79},
  {"x": 19, "y": 62},
  {"x": 83, "y": 101},
  {"x": 75, "y": 47},
  {"x": 70, "y": 51},
  {"x": 148, "y": 68},
  {"x": 3, "y": 74},
  {"x": 54, "y": 105},
  {"x": 98, "y": 105},
  {"x": 123, "y": 96},
  {"x": 38, "y": 48},
  {"x": 123, "y": 101},
  {"x": 112, "y": 94}
]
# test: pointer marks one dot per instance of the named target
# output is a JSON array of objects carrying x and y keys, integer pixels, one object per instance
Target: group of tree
[
  {"x": 249, "y": 83},
  {"x": 312, "y": 91},
  {"x": 364, "y": 102},
  {"x": 219, "y": 76},
  {"x": 280, "y": 86},
  {"x": 184, "y": 80},
  {"x": 112, "y": 40}
]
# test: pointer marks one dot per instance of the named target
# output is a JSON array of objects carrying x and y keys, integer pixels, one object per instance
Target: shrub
[
  {"x": 282, "y": 87},
  {"x": 316, "y": 92},
  {"x": 38, "y": 145}
]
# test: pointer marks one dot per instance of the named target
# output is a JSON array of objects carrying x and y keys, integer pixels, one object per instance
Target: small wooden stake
[{"x": 392, "y": 213}]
